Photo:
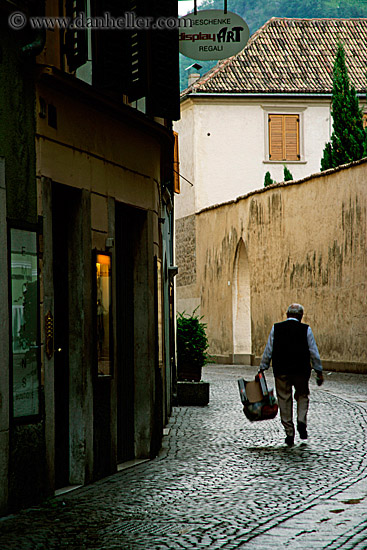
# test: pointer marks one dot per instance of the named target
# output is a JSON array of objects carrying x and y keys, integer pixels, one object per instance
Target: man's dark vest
[{"x": 290, "y": 349}]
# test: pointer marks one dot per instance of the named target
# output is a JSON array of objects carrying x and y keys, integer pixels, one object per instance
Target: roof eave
[{"x": 326, "y": 95}]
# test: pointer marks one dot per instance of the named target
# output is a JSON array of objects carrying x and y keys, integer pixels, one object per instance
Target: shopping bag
[{"x": 259, "y": 401}]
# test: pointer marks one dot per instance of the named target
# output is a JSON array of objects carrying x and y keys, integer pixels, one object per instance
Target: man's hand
[{"x": 319, "y": 379}]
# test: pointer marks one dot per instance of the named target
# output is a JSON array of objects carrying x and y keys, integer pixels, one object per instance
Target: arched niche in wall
[{"x": 241, "y": 307}]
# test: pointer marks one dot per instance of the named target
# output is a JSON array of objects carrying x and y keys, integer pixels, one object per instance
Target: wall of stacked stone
[
  {"x": 306, "y": 241},
  {"x": 185, "y": 230}
]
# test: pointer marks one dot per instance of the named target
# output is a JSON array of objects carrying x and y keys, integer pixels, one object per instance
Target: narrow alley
[{"x": 221, "y": 482}]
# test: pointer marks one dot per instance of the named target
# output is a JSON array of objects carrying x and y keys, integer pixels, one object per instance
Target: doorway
[
  {"x": 241, "y": 300},
  {"x": 65, "y": 201},
  {"x": 125, "y": 236}
]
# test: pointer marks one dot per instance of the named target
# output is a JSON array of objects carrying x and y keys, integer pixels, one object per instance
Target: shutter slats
[{"x": 276, "y": 137}]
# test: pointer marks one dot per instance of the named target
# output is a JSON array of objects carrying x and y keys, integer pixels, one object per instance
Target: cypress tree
[{"x": 348, "y": 139}]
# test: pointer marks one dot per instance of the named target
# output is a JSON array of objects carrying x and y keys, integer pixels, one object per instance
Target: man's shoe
[
  {"x": 302, "y": 430},
  {"x": 289, "y": 440}
]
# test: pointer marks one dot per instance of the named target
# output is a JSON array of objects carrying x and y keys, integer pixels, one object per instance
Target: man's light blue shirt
[{"x": 314, "y": 352}]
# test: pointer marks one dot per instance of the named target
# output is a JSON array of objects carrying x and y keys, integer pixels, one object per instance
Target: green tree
[
  {"x": 267, "y": 179},
  {"x": 348, "y": 139},
  {"x": 287, "y": 175}
]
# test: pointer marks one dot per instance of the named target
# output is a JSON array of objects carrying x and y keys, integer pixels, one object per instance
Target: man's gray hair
[{"x": 295, "y": 309}]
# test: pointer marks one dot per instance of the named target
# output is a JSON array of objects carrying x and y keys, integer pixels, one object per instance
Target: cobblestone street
[{"x": 221, "y": 482}]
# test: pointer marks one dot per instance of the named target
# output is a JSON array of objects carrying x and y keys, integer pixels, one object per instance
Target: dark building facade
[{"x": 86, "y": 231}]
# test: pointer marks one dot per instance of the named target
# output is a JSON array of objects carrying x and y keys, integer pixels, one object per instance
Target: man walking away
[{"x": 292, "y": 349}]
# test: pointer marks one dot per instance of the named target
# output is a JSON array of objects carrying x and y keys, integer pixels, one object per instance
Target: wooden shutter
[
  {"x": 164, "y": 88},
  {"x": 110, "y": 55},
  {"x": 176, "y": 166},
  {"x": 76, "y": 41},
  {"x": 276, "y": 137},
  {"x": 284, "y": 137},
  {"x": 137, "y": 50},
  {"x": 291, "y": 137},
  {"x": 139, "y": 63}
]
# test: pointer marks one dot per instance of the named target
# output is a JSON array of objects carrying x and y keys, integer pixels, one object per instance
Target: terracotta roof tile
[{"x": 291, "y": 56}]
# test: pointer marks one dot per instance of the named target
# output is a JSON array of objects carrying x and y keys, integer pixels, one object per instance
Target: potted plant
[{"x": 192, "y": 345}]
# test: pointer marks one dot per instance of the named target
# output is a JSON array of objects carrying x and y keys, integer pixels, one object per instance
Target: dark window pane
[{"x": 24, "y": 301}]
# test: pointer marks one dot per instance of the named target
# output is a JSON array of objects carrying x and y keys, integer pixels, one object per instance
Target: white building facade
[{"x": 224, "y": 145}]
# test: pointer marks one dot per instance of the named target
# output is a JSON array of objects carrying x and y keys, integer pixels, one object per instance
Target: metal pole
[
  {"x": 225, "y": 6},
  {"x": 195, "y": 7}
]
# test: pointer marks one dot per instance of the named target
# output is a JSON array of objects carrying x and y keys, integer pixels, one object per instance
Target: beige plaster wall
[
  {"x": 95, "y": 151},
  {"x": 305, "y": 242},
  {"x": 185, "y": 202}
]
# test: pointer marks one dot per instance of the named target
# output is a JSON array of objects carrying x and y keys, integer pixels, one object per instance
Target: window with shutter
[
  {"x": 155, "y": 61},
  {"x": 284, "y": 137},
  {"x": 139, "y": 63}
]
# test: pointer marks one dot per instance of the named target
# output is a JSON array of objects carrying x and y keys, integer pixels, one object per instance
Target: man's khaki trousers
[{"x": 283, "y": 386}]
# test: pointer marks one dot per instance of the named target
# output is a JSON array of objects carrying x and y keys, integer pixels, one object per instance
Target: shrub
[
  {"x": 192, "y": 342},
  {"x": 287, "y": 175},
  {"x": 267, "y": 179}
]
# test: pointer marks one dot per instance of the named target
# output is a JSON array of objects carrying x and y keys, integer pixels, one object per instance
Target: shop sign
[{"x": 212, "y": 34}]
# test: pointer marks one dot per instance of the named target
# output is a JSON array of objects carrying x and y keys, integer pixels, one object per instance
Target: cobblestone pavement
[{"x": 221, "y": 482}]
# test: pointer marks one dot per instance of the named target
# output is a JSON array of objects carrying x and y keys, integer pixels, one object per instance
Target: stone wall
[
  {"x": 306, "y": 242},
  {"x": 186, "y": 250}
]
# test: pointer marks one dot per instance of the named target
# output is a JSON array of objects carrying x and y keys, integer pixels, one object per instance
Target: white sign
[{"x": 213, "y": 34}]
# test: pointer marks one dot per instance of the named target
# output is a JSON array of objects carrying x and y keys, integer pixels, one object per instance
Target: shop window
[
  {"x": 25, "y": 326},
  {"x": 103, "y": 314},
  {"x": 283, "y": 137}
]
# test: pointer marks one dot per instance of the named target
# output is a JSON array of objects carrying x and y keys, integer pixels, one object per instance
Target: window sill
[{"x": 284, "y": 161}]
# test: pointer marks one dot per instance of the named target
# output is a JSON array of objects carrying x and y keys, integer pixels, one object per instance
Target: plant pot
[
  {"x": 192, "y": 393},
  {"x": 189, "y": 372}
]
